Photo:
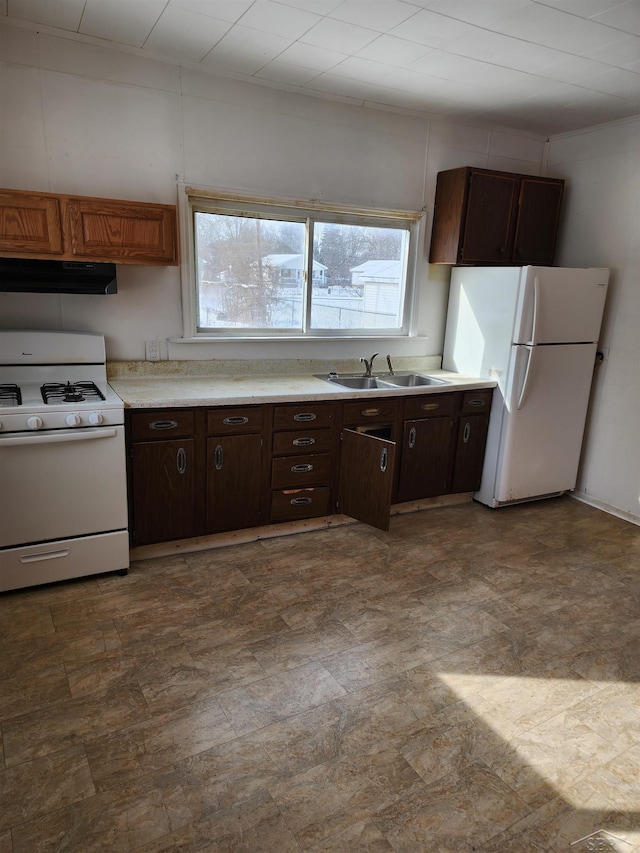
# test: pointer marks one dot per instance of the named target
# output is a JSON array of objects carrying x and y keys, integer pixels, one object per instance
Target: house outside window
[{"x": 269, "y": 270}]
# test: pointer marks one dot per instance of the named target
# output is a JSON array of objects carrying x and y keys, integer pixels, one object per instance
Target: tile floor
[{"x": 466, "y": 682}]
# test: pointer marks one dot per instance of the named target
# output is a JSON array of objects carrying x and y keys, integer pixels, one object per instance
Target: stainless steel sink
[
  {"x": 362, "y": 383},
  {"x": 384, "y": 383},
  {"x": 412, "y": 380}
]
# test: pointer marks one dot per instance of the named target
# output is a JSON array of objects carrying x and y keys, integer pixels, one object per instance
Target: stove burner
[
  {"x": 70, "y": 392},
  {"x": 10, "y": 395}
]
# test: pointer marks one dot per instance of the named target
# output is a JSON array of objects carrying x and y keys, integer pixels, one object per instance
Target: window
[{"x": 270, "y": 270}]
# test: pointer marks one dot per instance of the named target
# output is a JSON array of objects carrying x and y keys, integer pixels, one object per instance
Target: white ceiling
[{"x": 544, "y": 66}]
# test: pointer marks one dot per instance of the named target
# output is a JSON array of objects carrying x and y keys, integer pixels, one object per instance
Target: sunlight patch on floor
[{"x": 570, "y": 735}]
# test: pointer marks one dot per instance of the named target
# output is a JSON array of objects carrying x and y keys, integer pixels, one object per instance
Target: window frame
[{"x": 200, "y": 200}]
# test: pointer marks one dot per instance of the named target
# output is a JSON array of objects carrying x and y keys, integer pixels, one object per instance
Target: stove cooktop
[{"x": 55, "y": 380}]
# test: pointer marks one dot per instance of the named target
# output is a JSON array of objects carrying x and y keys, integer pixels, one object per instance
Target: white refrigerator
[{"x": 534, "y": 330}]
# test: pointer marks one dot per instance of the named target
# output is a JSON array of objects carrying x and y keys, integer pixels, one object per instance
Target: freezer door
[
  {"x": 543, "y": 421},
  {"x": 560, "y": 305}
]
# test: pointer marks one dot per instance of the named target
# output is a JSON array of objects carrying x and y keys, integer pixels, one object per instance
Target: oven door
[{"x": 60, "y": 484}]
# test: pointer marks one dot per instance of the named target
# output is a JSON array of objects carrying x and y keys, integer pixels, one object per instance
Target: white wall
[
  {"x": 600, "y": 227},
  {"x": 77, "y": 118}
]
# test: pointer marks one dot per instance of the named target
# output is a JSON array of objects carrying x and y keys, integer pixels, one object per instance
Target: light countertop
[{"x": 171, "y": 384}]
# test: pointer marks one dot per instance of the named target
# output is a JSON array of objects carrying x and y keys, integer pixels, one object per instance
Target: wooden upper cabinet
[
  {"x": 487, "y": 217},
  {"x": 30, "y": 224},
  {"x": 46, "y": 225},
  {"x": 134, "y": 232},
  {"x": 537, "y": 224}
]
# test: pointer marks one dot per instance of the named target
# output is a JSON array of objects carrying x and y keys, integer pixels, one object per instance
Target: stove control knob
[
  {"x": 95, "y": 418},
  {"x": 73, "y": 420},
  {"x": 34, "y": 422}
]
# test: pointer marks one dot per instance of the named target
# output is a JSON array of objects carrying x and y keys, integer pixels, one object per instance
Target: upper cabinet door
[
  {"x": 128, "y": 232},
  {"x": 490, "y": 218},
  {"x": 30, "y": 224},
  {"x": 537, "y": 225}
]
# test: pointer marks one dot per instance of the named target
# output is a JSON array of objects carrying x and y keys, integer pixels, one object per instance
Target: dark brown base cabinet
[
  {"x": 199, "y": 471},
  {"x": 234, "y": 466},
  {"x": 303, "y": 460},
  {"x": 162, "y": 475},
  {"x": 233, "y": 493}
]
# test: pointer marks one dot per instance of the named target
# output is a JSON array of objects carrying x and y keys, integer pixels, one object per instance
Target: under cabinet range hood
[{"x": 20, "y": 275}]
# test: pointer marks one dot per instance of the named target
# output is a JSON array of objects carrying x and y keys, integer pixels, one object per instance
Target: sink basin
[
  {"x": 384, "y": 383},
  {"x": 412, "y": 380},
  {"x": 358, "y": 382}
]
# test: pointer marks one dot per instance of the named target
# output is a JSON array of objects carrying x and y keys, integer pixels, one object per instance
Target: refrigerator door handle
[
  {"x": 527, "y": 376},
  {"x": 536, "y": 310}
]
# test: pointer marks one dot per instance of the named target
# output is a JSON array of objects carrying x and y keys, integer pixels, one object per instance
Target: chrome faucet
[
  {"x": 368, "y": 365},
  {"x": 389, "y": 365}
]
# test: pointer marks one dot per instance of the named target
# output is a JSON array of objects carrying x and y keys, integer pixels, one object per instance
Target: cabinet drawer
[
  {"x": 161, "y": 424},
  {"x": 291, "y": 504},
  {"x": 477, "y": 401},
  {"x": 363, "y": 411},
  {"x": 226, "y": 421},
  {"x": 313, "y": 469},
  {"x": 306, "y": 415},
  {"x": 302, "y": 441},
  {"x": 431, "y": 405}
]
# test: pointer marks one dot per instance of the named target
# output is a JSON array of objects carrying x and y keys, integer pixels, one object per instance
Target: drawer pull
[
  {"x": 302, "y": 468},
  {"x": 181, "y": 460},
  {"x": 430, "y": 407},
  {"x": 370, "y": 413},
  {"x": 383, "y": 459},
  {"x": 466, "y": 435},
  {"x": 303, "y": 442},
  {"x": 218, "y": 457},
  {"x": 305, "y": 416},
  {"x": 301, "y": 501},
  {"x": 163, "y": 425},
  {"x": 412, "y": 438},
  {"x": 236, "y": 420},
  {"x": 477, "y": 403}
]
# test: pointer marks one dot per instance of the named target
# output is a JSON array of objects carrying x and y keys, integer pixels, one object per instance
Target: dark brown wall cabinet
[
  {"x": 487, "y": 217},
  {"x": 62, "y": 227}
]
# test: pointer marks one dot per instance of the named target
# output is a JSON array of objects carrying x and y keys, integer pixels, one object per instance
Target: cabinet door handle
[
  {"x": 305, "y": 416},
  {"x": 163, "y": 425},
  {"x": 370, "y": 413},
  {"x": 218, "y": 457},
  {"x": 466, "y": 435},
  {"x": 383, "y": 459},
  {"x": 235, "y": 421},
  {"x": 477, "y": 403},
  {"x": 430, "y": 407},
  {"x": 300, "y": 501},
  {"x": 303, "y": 468},
  {"x": 412, "y": 438},
  {"x": 303, "y": 442},
  {"x": 181, "y": 460}
]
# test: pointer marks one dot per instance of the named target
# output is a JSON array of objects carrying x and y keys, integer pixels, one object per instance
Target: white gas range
[{"x": 62, "y": 460}]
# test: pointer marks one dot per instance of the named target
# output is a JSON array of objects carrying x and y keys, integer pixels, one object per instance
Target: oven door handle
[{"x": 55, "y": 437}]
